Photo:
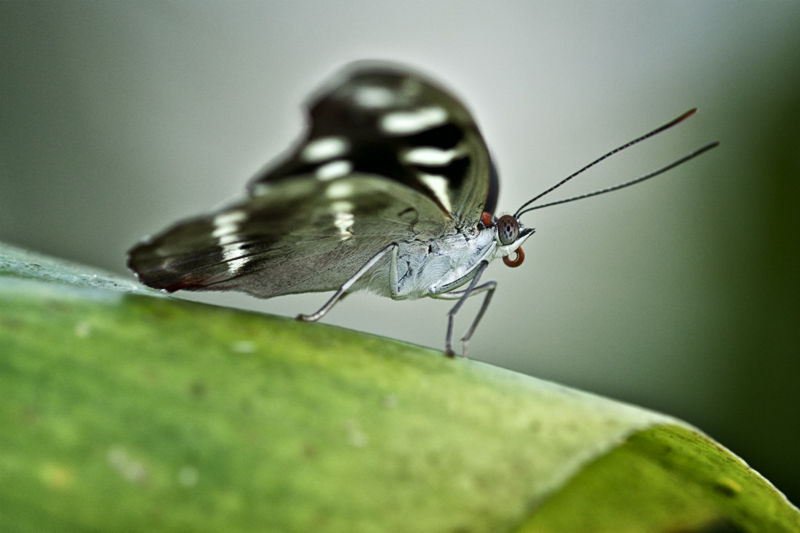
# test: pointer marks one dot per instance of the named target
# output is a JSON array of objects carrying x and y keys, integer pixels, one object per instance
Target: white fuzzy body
[{"x": 423, "y": 268}]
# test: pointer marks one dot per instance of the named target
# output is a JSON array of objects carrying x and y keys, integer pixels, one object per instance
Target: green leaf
[{"x": 124, "y": 412}]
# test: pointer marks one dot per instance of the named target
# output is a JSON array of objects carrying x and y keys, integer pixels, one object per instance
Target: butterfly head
[{"x": 509, "y": 234}]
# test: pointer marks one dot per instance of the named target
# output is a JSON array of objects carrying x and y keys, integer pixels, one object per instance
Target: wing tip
[{"x": 145, "y": 263}]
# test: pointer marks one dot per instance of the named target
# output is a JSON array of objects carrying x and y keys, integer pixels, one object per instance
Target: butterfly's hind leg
[
  {"x": 349, "y": 283},
  {"x": 473, "y": 288},
  {"x": 489, "y": 288}
]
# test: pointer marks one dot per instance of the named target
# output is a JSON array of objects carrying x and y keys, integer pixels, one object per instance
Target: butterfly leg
[
  {"x": 487, "y": 287},
  {"x": 462, "y": 296},
  {"x": 349, "y": 283}
]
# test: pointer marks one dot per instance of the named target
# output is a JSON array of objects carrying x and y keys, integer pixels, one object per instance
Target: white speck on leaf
[
  {"x": 355, "y": 436},
  {"x": 243, "y": 347},
  {"x": 390, "y": 401},
  {"x": 132, "y": 469},
  {"x": 188, "y": 476},
  {"x": 83, "y": 329}
]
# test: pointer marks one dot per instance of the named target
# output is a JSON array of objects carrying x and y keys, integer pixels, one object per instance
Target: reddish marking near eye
[
  {"x": 517, "y": 261},
  {"x": 486, "y": 219}
]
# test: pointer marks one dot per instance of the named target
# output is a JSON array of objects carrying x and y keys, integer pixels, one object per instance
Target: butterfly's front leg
[
  {"x": 349, "y": 283},
  {"x": 473, "y": 288}
]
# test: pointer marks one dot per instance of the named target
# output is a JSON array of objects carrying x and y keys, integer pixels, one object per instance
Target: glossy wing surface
[
  {"x": 397, "y": 124},
  {"x": 303, "y": 235}
]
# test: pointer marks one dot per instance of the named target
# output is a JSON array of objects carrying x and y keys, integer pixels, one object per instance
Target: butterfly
[{"x": 391, "y": 190}]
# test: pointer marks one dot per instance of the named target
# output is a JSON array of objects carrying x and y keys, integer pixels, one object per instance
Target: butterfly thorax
[{"x": 427, "y": 267}]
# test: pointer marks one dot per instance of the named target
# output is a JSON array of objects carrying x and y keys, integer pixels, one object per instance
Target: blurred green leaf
[{"x": 124, "y": 412}]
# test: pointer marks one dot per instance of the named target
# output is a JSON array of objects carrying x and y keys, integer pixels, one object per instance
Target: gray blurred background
[{"x": 681, "y": 295}]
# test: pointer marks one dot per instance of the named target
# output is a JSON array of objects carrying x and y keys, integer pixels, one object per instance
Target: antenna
[
  {"x": 654, "y": 173},
  {"x": 656, "y": 131}
]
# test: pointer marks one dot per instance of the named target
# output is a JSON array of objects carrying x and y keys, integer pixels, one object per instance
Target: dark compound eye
[{"x": 507, "y": 229}]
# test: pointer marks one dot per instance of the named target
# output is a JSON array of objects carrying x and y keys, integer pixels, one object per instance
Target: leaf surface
[{"x": 125, "y": 412}]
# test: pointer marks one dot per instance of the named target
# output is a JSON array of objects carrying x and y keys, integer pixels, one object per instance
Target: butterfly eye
[{"x": 507, "y": 229}]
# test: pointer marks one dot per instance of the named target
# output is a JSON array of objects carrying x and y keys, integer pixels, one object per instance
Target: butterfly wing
[
  {"x": 387, "y": 121},
  {"x": 389, "y": 157},
  {"x": 302, "y": 235}
]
